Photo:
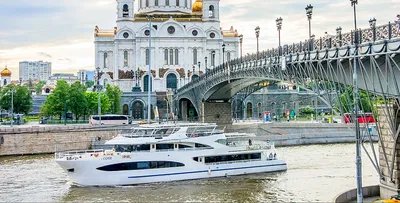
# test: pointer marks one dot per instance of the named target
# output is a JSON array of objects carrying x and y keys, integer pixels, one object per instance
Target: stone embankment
[
  {"x": 292, "y": 134},
  {"x": 49, "y": 139}
]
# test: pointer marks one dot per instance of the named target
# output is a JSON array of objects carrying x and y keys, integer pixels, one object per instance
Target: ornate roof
[
  {"x": 6, "y": 72},
  {"x": 197, "y": 6},
  {"x": 230, "y": 33}
]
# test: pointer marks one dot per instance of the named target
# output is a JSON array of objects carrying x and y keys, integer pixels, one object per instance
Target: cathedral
[{"x": 186, "y": 41}]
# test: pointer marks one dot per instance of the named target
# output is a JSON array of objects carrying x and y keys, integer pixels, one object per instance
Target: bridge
[{"x": 324, "y": 66}]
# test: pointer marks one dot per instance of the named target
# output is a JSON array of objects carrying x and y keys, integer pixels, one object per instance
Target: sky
[{"x": 61, "y": 31}]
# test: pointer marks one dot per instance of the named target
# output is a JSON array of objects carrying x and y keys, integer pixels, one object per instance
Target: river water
[{"x": 316, "y": 173}]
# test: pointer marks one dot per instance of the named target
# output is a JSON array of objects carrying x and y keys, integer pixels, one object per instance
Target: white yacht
[{"x": 169, "y": 153}]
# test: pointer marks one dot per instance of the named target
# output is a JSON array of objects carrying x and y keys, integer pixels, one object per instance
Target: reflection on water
[{"x": 315, "y": 173}]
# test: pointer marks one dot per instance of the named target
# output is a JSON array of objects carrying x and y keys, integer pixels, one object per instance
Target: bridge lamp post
[
  {"x": 279, "y": 26},
  {"x": 223, "y": 56},
  {"x": 356, "y": 99},
  {"x": 241, "y": 46},
  {"x": 199, "y": 64},
  {"x": 205, "y": 59},
  {"x": 309, "y": 12},
  {"x": 372, "y": 24},
  {"x": 257, "y": 36},
  {"x": 339, "y": 34}
]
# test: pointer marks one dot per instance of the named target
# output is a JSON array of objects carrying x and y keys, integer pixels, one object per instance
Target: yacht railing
[
  {"x": 60, "y": 155},
  {"x": 232, "y": 162}
]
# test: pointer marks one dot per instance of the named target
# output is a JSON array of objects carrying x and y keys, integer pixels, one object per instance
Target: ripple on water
[{"x": 315, "y": 173}]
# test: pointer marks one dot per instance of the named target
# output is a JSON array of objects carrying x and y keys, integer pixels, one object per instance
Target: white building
[
  {"x": 183, "y": 35},
  {"x": 35, "y": 70},
  {"x": 70, "y": 78}
]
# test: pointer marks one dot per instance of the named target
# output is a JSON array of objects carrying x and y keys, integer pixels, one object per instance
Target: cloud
[
  {"x": 65, "y": 60},
  {"x": 45, "y": 55}
]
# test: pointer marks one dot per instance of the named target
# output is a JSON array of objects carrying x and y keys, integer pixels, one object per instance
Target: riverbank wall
[
  {"x": 294, "y": 134},
  {"x": 50, "y": 139}
]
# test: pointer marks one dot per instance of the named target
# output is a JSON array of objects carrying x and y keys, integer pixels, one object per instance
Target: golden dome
[
  {"x": 197, "y": 6},
  {"x": 6, "y": 72}
]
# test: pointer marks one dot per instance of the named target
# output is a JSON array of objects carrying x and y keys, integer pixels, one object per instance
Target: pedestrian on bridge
[{"x": 398, "y": 22}]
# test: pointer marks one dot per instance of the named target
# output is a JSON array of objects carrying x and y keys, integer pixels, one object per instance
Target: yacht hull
[{"x": 86, "y": 174}]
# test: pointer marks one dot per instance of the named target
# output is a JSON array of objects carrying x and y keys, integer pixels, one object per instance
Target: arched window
[
  {"x": 125, "y": 10},
  {"x": 105, "y": 60},
  {"x": 249, "y": 110},
  {"x": 125, "y": 109},
  {"x": 47, "y": 90},
  {"x": 126, "y": 61},
  {"x": 166, "y": 56},
  {"x": 319, "y": 103},
  {"x": 172, "y": 81},
  {"x": 211, "y": 12},
  {"x": 147, "y": 3},
  {"x": 213, "y": 59},
  {"x": 177, "y": 2},
  {"x": 228, "y": 56},
  {"x": 176, "y": 57},
  {"x": 186, "y": 3},
  {"x": 156, "y": 3},
  {"x": 195, "y": 56},
  {"x": 105, "y": 82},
  {"x": 146, "y": 83},
  {"x": 167, "y": 2},
  {"x": 171, "y": 57},
  {"x": 140, "y": 3},
  {"x": 147, "y": 56}
]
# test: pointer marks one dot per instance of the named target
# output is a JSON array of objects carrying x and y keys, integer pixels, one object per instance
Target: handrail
[{"x": 382, "y": 32}]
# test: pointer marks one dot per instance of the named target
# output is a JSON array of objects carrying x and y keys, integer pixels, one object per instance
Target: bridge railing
[{"x": 373, "y": 34}]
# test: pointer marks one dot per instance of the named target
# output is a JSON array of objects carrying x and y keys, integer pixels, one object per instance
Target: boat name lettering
[{"x": 106, "y": 158}]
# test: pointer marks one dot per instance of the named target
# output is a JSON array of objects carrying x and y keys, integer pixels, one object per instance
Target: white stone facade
[
  {"x": 182, "y": 36},
  {"x": 34, "y": 70}
]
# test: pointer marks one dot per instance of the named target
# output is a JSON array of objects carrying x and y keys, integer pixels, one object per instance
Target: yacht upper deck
[{"x": 160, "y": 131}]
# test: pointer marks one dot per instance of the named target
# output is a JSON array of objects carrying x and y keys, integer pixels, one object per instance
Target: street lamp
[
  {"x": 257, "y": 36},
  {"x": 98, "y": 96},
  {"x": 223, "y": 56},
  {"x": 372, "y": 24},
  {"x": 12, "y": 107},
  {"x": 149, "y": 18},
  {"x": 309, "y": 12},
  {"x": 241, "y": 45},
  {"x": 339, "y": 34},
  {"x": 205, "y": 59},
  {"x": 279, "y": 26},
  {"x": 356, "y": 98},
  {"x": 20, "y": 81},
  {"x": 193, "y": 71},
  {"x": 199, "y": 63}
]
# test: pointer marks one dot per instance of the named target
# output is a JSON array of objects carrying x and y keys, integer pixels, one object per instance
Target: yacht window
[
  {"x": 140, "y": 165},
  {"x": 234, "y": 157},
  {"x": 196, "y": 159},
  {"x": 197, "y": 145},
  {"x": 182, "y": 146},
  {"x": 164, "y": 146}
]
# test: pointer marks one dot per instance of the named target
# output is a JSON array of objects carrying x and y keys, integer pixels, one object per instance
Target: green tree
[
  {"x": 76, "y": 100},
  {"x": 306, "y": 110},
  {"x": 54, "y": 104},
  {"x": 38, "y": 87},
  {"x": 22, "y": 100},
  {"x": 346, "y": 100},
  {"x": 89, "y": 84},
  {"x": 114, "y": 94},
  {"x": 92, "y": 103}
]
